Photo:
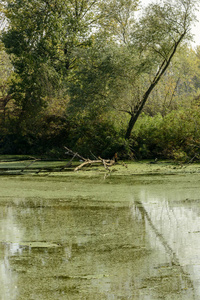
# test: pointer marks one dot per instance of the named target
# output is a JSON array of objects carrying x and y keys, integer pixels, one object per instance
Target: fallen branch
[
  {"x": 68, "y": 164},
  {"x": 87, "y": 162},
  {"x": 74, "y": 154},
  {"x": 106, "y": 163}
]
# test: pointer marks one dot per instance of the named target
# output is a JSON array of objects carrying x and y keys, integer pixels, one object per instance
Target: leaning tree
[{"x": 157, "y": 36}]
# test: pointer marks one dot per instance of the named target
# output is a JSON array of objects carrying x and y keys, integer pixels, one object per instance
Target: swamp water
[{"x": 80, "y": 236}]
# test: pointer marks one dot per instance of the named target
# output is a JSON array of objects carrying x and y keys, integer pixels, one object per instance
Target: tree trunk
[
  {"x": 137, "y": 111},
  {"x": 163, "y": 67}
]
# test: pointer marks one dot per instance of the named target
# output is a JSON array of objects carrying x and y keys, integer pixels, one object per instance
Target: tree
[
  {"x": 92, "y": 52},
  {"x": 118, "y": 19},
  {"x": 179, "y": 85},
  {"x": 43, "y": 37},
  {"x": 6, "y": 71},
  {"x": 158, "y": 35},
  {"x": 47, "y": 41},
  {"x": 124, "y": 75}
]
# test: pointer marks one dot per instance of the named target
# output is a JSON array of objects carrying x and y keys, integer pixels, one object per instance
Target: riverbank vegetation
[{"x": 100, "y": 77}]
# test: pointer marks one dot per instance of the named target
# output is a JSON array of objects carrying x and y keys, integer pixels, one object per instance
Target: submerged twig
[{"x": 32, "y": 162}]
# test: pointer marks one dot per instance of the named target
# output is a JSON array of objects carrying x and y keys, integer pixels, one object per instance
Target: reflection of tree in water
[
  {"x": 182, "y": 279},
  {"x": 104, "y": 252},
  {"x": 9, "y": 231}
]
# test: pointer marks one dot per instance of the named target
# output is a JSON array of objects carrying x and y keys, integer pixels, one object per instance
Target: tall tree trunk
[
  {"x": 163, "y": 67},
  {"x": 137, "y": 111}
]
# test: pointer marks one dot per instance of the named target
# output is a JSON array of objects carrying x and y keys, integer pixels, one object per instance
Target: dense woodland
[{"x": 100, "y": 77}]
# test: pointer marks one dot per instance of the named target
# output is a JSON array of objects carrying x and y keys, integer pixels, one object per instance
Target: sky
[
  {"x": 196, "y": 31},
  {"x": 195, "y": 27}
]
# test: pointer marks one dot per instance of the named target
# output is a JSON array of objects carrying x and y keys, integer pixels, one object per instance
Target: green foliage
[
  {"x": 94, "y": 137},
  {"x": 43, "y": 37},
  {"x": 6, "y": 67},
  {"x": 179, "y": 85},
  {"x": 99, "y": 63},
  {"x": 118, "y": 19},
  {"x": 174, "y": 136},
  {"x": 100, "y": 78}
]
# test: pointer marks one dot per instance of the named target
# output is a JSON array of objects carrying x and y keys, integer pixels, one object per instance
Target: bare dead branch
[
  {"x": 75, "y": 154},
  {"x": 106, "y": 163}
]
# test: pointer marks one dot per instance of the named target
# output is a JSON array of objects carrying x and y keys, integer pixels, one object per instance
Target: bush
[
  {"x": 96, "y": 137},
  {"x": 175, "y": 136}
]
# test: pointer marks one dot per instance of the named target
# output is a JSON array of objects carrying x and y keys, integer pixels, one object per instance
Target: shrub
[{"x": 175, "y": 136}]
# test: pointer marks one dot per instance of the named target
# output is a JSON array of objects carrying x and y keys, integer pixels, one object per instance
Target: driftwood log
[{"x": 88, "y": 162}]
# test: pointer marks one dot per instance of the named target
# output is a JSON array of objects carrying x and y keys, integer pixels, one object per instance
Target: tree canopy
[{"x": 104, "y": 62}]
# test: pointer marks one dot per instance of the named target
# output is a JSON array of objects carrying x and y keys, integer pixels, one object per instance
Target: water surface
[{"x": 76, "y": 237}]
